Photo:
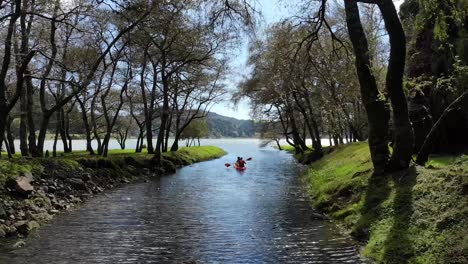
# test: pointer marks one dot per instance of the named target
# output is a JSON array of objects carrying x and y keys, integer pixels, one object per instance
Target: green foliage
[
  {"x": 416, "y": 216},
  {"x": 190, "y": 155},
  {"x": 198, "y": 128}
]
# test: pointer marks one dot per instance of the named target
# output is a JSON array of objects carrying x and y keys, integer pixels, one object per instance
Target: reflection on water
[{"x": 205, "y": 213}]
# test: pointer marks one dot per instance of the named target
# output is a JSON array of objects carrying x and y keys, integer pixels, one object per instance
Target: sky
[{"x": 272, "y": 11}]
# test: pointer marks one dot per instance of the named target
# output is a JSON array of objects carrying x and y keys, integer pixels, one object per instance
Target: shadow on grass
[
  {"x": 377, "y": 192},
  {"x": 398, "y": 247}
]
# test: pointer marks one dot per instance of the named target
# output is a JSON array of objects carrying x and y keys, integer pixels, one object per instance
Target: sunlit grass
[{"x": 416, "y": 216}]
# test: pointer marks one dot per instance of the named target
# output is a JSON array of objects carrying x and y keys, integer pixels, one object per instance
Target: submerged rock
[
  {"x": 25, "y": 227},
  {"x": 19, "y": 244}
]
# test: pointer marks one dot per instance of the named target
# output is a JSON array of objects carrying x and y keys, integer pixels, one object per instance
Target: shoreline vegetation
[
  {"x": 34, "y": 190},
  {"x": 418, "y": 215}
]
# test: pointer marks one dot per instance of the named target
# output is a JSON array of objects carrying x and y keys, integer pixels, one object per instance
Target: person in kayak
[{"x": 241, "y": 162}]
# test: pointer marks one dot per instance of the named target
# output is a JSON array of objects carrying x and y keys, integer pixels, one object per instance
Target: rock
[
  {"x": 77, "y": 183},
  {"x": 76, "y": 200},
  {"x": 19, "y": 244},
  {"x": 124, "y": 181},
  {"x": 51, "y": 189},
  {"x": 3, "y": 230},
  {"x": 23, "y": 185},
  {"x": 41, "y": 217},
  {"x": 86, "y": 177},
  {"x": 11, "y": 231},
  {"x": 53, "y": 211},
  {"x": 25, "y": 227},
  {"x": 3, "y": 213},
  {"x": 28, "y": 175},
  {"x": 317, "y": 216},
  {"x": 21, "y": 214}
]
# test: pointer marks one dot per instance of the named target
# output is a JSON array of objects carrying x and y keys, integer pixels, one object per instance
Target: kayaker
[{"x": 241, "y": 162}]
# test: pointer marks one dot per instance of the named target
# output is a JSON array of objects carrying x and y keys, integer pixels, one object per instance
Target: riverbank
[
  {"x": 415, "y": 216},
  {"x": 32, "y": 191}
]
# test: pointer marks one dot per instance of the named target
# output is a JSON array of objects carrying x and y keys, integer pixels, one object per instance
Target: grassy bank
[
  {"x": 416, "y": 216},
  {"x": 116, "y": 157},
  {"x": 33, "y": 190}
]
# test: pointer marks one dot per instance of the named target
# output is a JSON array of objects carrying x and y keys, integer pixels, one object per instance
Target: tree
[{"x": 195, "y": 130}]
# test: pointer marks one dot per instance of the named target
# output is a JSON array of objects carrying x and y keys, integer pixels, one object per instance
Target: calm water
[{"x": 205, "y": 213}]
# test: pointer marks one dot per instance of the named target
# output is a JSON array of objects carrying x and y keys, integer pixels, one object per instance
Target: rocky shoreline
[{"x": 34, "y": 197}]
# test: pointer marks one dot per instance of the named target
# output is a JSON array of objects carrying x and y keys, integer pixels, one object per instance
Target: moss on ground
[{"x": 415, "y": 216}]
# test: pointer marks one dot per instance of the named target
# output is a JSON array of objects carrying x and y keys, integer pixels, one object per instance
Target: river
[{"x": 205, "y": 213}]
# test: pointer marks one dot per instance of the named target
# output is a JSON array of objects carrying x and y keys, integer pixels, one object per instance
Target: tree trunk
[
  {"x": 6, "y": 59},
  {"x": 278, "y": 144},
  {"x": 164, "y": 114},
  {"x": 105, "y": 144},
  {"x": 57, "y": 130},
  {"x": 7, "y": 148},
  {"x": 377, "y": 113},
  {"x": 149, "y": 135},
  {"x": 63, "y": 136},
  {"x": 31, "y": 121},
  {"x": 426, "y": 148},
  {"x": 23, "y": 128},
  {"x": 298, "y": 141},
  {"x": 87, "y": 127},
  {"x": 95, "y": 128},
  {"x": 139, "y": 144},
  {"x": 403, "y": 131},
  {"x": 67, "y": 129},
  {"x": 175, "y": 145},
  {"x": 168, "y": 132},
  {"x": 43, "y": 133},
  {"x": 9, "y": 133}
]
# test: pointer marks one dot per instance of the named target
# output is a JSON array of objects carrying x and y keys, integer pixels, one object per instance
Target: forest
[
  {"x": 105, "y": 69},
  {"x": 406, "y": 93}
]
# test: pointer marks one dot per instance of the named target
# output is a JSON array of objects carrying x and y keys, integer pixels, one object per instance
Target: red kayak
[{"x": 239, "y": 168}]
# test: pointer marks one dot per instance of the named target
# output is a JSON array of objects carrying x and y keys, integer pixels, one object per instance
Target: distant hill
[{"x": 223, "y": 126}]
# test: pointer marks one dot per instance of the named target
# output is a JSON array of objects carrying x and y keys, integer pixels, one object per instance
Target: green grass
[
  {"x": 416, "y": 216},
  {"x": 188, "y": 155}
]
